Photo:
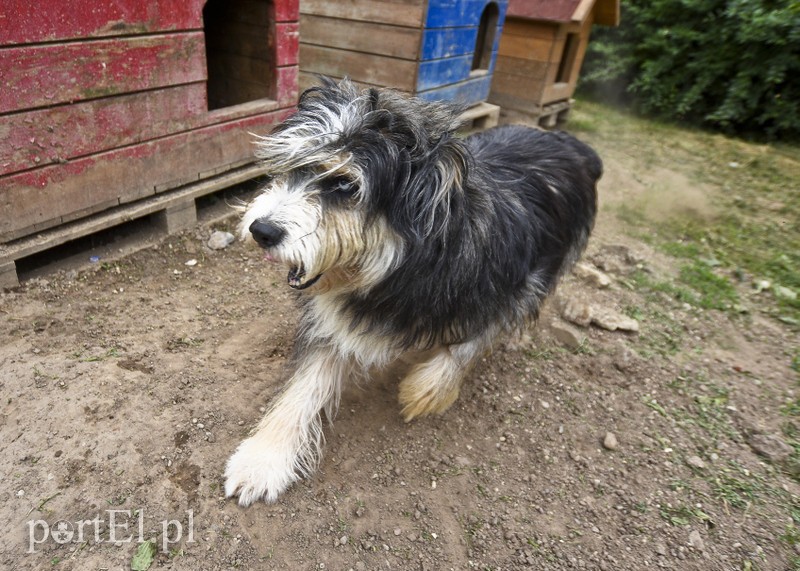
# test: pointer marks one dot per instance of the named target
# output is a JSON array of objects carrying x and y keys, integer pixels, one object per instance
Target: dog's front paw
[{"x": 259, "y": 470}]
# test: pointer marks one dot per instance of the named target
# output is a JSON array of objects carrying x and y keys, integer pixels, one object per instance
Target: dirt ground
[{"x": 127, "y": 384}]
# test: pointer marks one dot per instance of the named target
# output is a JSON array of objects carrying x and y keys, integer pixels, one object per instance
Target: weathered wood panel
[
  {"x": 368, "y": 37},
  {"x": 443, "y": 72},
  {"x": 46, "y": 196},
  {"x": 50, "y": 135},
  {"x": 33, "y": 139},
  {"x": 454, "y": 13},
  {"x": 308, "y": 80},
  {"x": 448, "y": 42},
  {"x": 368, "y": 68},
  {"x": 32, "y": 21},
  {"x": 530, "y": 29},
  {"x": 535, "y": 70},
  {"x": 467, "y": 92},
  {"x": 287, "y": 43},
  {"x": 408, "y": 13},
  {"x": 38, "y": 76},
  {"x": 531, "y": 48}
]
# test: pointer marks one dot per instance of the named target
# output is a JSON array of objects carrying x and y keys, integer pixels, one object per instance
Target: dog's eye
[{"x": 340, "y": 185}]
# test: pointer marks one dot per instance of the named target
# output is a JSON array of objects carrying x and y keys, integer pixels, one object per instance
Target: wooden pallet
[
  {"x": 480, "y": 116},
  {"x": 555, "y": 113},
  {"x": 171, "y": 211}
]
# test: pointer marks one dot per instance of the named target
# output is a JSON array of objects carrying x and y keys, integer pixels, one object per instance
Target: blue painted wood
[
  {"x": 467, "y": 92},
  {"x": 455, "y": 13},
  {"x": 438, "y": 72},
  {"x": 448, "y": 42}
]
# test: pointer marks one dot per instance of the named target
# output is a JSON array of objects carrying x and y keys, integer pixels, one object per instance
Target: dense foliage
[{"x": 730, "y": 64}]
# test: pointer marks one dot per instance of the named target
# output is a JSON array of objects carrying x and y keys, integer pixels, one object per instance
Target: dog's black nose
[{"x": 266, "y": 234}]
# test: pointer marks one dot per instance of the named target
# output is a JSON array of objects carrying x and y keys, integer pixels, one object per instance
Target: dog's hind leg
[
  {"x": 287, "y": 444},
  {"x": 433, "y": 385}
]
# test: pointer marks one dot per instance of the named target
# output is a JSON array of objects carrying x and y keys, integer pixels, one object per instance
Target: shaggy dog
[{"x": 408, "y": 242}]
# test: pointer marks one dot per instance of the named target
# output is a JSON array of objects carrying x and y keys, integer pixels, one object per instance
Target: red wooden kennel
[{"x": 111, "y": 109}]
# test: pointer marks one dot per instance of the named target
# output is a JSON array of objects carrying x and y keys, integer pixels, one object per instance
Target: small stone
[
  {"x": 696, "y": 540},
  {"x": 770, "y": 447},
  {"x": 696, "y": 462},
  {"x": 661, "y": 549},
  {"x": 612, "y": 321},
  {"x": 610, "y": 441},
  {"x": 343, "y": 540},
  {"x": 567, "y": 335},
  {"x": 397, "y": 531},
  {"x": 592, "y": 275},
  {"x": 782, "y": 292},
  {"x": 220, "y": 240},
  {"x": 361, "y": 566},
  {"x": 577, "y": 312}
]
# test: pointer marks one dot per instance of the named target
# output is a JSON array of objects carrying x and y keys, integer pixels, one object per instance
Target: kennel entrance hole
[
  {"x": 240, "y": 51},
  {"x": 482, "y": 57}
]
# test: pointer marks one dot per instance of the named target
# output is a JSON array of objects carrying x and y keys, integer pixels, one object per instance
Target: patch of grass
[
  {"x": 737, "y": 487},
  {"x": 714, "y": 292},
  {"x": 684, "y": 515},
  {"x": 753, "y": 188}
]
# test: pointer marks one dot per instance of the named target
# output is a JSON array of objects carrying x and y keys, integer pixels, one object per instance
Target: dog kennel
[
  {"x": 541, "y": 52},
  {"x": 112, "y": 109},
  {"x": 436, "y": 49}
]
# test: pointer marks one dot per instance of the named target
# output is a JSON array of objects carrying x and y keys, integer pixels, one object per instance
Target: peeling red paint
[
  {"x": 37, "y": 76},
  {"x": 26, "y": 21},
  {"x": 94, "y": 120}
]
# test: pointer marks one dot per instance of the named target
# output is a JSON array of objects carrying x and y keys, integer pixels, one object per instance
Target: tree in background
[{"x": 730, "y": 64}]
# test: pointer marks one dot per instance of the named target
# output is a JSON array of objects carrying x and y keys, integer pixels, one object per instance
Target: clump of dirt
[{"x": 127, "y": 386}]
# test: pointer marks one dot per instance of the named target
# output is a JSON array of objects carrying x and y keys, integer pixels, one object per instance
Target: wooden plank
[
  {"x": 536, "y": 70},
  {"x": 44, "y": 196},
  {"x": 530, "y": 28},
  {"x": 27, "y": 21},
  {"x": 443, "y": 72},
  {"x": 470, "y": 91},
  {"x": 506, "y": 101},
  {"x": 518, "y": 86},
  {"x": 448, "y": 42},
  {"x": 125, "y": 213},
  {"x": 606, "y": 12},
  {"x": 406, "y": 13},
  {"x": 368, "y": 37},
  {"x": 557, "y": 92},
  {"x": 536, "y": 49},
  {"x": 454, "y": 13},
  {"x": 36, "y": 138},
  {"x": 38, "y": 76},
  {"x": 286, "y": 10},
  {"x": 287, "y": 45},
  {"x": 368, "y": 68}
]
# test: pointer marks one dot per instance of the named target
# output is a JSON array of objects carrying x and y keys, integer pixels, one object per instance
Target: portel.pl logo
[{"x": 116, "y": 526}]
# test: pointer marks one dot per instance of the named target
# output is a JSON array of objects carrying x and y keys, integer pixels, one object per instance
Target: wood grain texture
[
  {"x": 407, "y": 13},
  {"x": 454, "y": 13},
  {"x": 34, "y": 21},
  {"x": 49, "y": 195},
  {"x": 39, "y": 76},
  {"x": 368, "y": 68},
  {"x": 368, "y": 37}
]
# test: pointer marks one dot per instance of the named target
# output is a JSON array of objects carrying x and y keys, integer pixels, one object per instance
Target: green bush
[{"x": 730, "y": 64}]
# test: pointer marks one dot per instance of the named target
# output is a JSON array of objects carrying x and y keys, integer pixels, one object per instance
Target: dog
[{"x": 406, "y": 241}]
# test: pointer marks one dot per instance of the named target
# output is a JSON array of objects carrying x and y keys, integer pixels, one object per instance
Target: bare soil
[{"x": 127, "y": 384}]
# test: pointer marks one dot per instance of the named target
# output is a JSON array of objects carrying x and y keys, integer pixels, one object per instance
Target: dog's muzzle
[{"x": 269, "y": 235}]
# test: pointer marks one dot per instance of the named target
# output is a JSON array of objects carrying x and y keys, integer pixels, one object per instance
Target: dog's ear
[{"x": 374, "y": 98}]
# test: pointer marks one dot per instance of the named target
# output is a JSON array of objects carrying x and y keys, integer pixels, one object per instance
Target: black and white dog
[{"x": 408, "y": 242}]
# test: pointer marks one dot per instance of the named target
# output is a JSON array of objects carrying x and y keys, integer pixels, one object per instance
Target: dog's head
[{"x": 357, "y": 177}]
